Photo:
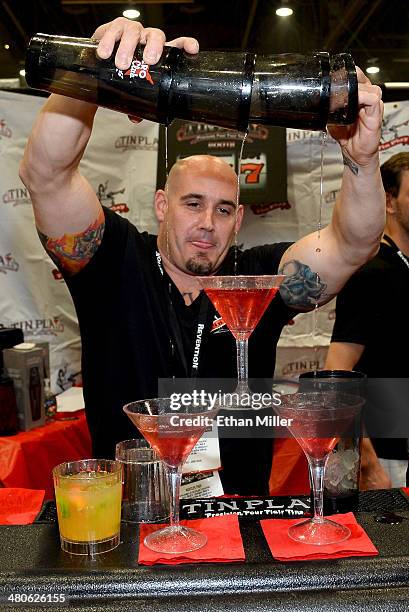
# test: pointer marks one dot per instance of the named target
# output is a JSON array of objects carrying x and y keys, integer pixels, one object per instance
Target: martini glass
[
  {"x": 172, "y": 434},
  {"x": 317, "y": 421},
  {"x": 241, "y": 301}
]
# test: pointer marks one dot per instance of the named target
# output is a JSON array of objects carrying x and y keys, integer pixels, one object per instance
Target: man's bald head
[{"x": 203, "y": 164}]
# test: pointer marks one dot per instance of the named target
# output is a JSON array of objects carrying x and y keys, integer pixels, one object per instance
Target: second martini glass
[
  {"x": 241, "y": 301},
  {"x": 317, "y": 421},
  {"x": 172, "y": 434}
]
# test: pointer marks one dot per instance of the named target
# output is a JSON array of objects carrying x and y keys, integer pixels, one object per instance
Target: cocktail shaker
[{"x": 227, "y": 89}]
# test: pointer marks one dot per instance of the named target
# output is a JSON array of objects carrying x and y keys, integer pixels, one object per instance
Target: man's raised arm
[
  {"x": 317, "y": 268},
  {"x": 68, "y": 214}
]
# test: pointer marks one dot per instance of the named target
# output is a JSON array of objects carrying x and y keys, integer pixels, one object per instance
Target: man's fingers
[
  {"x": 154, "y": 40},
  {"x": 190, "y": 45},
  {"x": 362, "y": 78},
  {"x": 130, "y": 34},
  {"x": 130, "y": 38},
  {"x": 369, "y": 96}
]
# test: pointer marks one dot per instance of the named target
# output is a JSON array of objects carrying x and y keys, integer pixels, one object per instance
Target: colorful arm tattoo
[
  {"x": 302, "y": 289},
  {"x": 71, "y": 252}
]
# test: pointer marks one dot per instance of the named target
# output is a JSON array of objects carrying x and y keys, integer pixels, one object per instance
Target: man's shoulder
[
  {"x": 118, "y": 224},
  {"x": 384, "y": 261}
]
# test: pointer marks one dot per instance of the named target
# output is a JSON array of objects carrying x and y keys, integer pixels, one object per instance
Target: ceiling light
[
  {"x": 372, "y": 69},
  {"x": 22, "y": 72},
  {"x": 284, "y": 11},
  {"x": 7, "y": 46},
  {"x": 131, "y": 13},
  {"x": 397, "y": 84}
]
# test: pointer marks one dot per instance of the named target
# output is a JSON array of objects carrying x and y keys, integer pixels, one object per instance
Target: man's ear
[
  {"x": 161, "y": 205},
  {"x": 390, "y": 203},
  {"x": 239, "y": 220}
]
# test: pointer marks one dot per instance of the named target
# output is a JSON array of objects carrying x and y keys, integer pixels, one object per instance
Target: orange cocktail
[{"x": 88, "y": 496}]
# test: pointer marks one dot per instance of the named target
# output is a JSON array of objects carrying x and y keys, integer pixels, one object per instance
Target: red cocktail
[
  {"x": 172, "y": 442},
  {"x": 317, "y": 420},
  {"x": 172, "y": 435},
  {"x": 317, "y": 448},
  {"x": 241, "y": 309},
  {"x": 241, "y": 301}
]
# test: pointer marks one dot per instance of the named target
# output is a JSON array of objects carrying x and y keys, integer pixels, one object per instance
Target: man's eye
[
  {"x": 192, "y": 204},
  {"x": 224, "y": 211}
]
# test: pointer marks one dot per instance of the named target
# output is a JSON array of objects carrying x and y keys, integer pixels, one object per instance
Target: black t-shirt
[
  {"x": 123, "y": 309},
  {"x": 371, "y": 310}
]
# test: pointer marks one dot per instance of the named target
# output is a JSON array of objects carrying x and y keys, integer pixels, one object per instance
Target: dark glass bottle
[{"x": 228, "y": 89}]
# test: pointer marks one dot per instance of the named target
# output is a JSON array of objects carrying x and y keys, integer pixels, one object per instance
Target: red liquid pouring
[{"x": 241, "y": 309}]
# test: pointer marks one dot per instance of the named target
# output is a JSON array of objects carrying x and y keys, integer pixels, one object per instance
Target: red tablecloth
[
  {"x": 289, "y": 470},
  {"x": 26, "y": 459}
]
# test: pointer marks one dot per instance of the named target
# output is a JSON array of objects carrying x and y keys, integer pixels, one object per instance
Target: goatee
[{"x": 197, "y": 268}]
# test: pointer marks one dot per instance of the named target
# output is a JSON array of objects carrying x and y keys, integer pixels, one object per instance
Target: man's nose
[{"x": 207, "y": 220}]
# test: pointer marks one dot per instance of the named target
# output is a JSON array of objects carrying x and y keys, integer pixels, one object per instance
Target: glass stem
[
  {"x": 317, "y": 468},
  {"x": 174, "y": 475},
  {"x": 242, "y": 363}
]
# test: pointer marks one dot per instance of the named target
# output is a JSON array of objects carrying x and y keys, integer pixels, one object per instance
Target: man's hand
[
  {"x": 130, "y": 34},
  {"x": 372, "y": 476},
  {"x": 359, "y": 142}
]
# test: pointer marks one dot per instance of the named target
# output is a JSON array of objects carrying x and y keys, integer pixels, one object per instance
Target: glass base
[
  {"x": 144, "y": 512},
  {"x": 89, "y": 548},
  {"x": 318, "y": 533},
  {"x": 175, "y": 539}
]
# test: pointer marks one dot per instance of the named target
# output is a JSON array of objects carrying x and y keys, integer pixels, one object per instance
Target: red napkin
[
  {"x": 224, "y": 543},
  {"x": 19, "y": 506},
  {"x": 283, "y": 548},
  {"x": 406, "y": 490}
]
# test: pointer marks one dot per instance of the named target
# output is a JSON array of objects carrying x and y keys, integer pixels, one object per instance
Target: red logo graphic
[
  {"x": 8, "y": 264},
  {"x": 57, "y": 274},
  {"x": 262, "y": 209},
  {"x": 217, "y": 324},
  {"x": 4, "y": 129},
  {"x": 393, "y": 143},
  {"x": 123, "y": 208},
  {"x": 140, "y": 70},
  {"x": 108, "y": 198}
]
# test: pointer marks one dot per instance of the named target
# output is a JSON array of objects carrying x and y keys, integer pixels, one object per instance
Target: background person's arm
[
  {"x": 317, "y": 268},
  {"x": 68, "y": 214}
]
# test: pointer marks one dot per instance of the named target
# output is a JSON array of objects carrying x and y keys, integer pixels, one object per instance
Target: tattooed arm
[{"x": 317, "y": 266}]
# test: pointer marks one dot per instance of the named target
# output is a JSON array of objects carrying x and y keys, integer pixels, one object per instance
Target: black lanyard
[{"x": 201, "y": 329}]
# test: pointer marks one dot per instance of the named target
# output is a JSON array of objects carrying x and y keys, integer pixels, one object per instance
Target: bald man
[{"x": 138, "y": 302}]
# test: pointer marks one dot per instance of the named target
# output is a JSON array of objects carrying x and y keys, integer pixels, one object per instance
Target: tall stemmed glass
[
  {"x": 172, "y": 434},
  {"x": 317, "y": 421},
  {"x": 241, "y": 301}
]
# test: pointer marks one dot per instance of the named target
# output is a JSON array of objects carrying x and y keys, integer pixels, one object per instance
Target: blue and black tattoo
[{"x": 302, "y": 289}]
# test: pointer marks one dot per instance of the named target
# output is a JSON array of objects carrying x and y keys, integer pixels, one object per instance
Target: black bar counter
[{"x": 31, "y": 562}]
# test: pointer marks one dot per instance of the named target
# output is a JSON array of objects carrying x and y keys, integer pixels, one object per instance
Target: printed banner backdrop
[{"x": 120, "y": 163}]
